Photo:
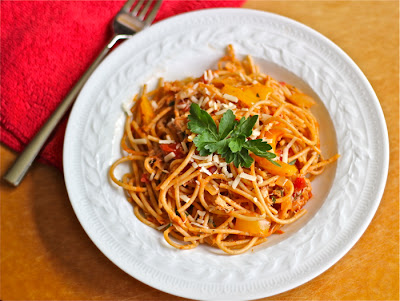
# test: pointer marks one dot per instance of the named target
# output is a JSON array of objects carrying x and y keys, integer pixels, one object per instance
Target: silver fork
[{"x": 133, "y": 17}]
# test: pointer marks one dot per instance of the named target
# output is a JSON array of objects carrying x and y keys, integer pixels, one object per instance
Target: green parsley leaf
[
  {"x": 227, "y": 124},
  {"x": 245, "y": 126},
  {"x": 243, "y": 158},
  {"x": 201, "y": 122},
  {"x": 229, "y": 140},
  {"x": 219, "y": 147},
  {"x": 205, "y": 140},
  {"x": 237, "y": 143},
  {"x": 292, "y": 162},
  {"x": 259, "y": 148}
]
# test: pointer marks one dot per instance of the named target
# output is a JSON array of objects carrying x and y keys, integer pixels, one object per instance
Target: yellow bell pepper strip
[
  {"x": 257, "y": 228},
  {"x": 301, "y": 100},
  {"x": 248, "y": 95},
  {"x": 146, "y": 110},
  {"x": 285, "y": 170},
  {"x": 260, "y": 91},
  {"x": 275, "y": 135},
  {"x": 218, "y": 82}
]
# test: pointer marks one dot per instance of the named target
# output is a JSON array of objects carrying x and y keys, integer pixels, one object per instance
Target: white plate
[{"x": 346, "y": 195}]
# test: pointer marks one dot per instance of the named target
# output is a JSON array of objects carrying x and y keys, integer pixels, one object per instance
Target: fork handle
[{"x": 21, "y": 165}]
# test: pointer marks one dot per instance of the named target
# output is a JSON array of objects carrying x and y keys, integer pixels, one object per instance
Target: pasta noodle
[{"x": 198, "y": 199}]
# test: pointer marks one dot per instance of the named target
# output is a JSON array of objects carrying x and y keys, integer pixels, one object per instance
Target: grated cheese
[
  {"x": 198, "y": 225},
  {"x": 140, "y": 141},
  {"x": 221, "y": 112},
  {"x": 226, "y": 173},
  {"x": 201, "y": 101},
  {"x": 184, "y": 146},
  {"x": 181, "y": 106},
  {"x": 191, "y": 137},
  {"x": 230, "y": 97},
  {"x": 154, "y": 105},
  {"x": 269, "y": 126},
  {"x": 255, "y": 134},
  {"x": 206, "y": 171},
  {"x": 236, "y": 182},
  {"x": 184, "y": 198},
  {"x": 167, "y": 141},
  {"x": 206, "y": 164},
  {"x": 169, "y": 157},
  {"x": 210, "y": 73},
  {"x": 246, "y": 176},
  {"x": 216, "y": 106},
  {"x": 229, "y": 106},
  {"x": 265, "y": 117},
  {"x": 216, "y": 158},
  {"x": 264, "y": 192},
  {"x": 199, "y": 157},
  {"x": 205, "y": 75},
  {"x": 126, "y": 108},
  {"x": 201, "y": 213},
  {"x": 285, "y": 152}
]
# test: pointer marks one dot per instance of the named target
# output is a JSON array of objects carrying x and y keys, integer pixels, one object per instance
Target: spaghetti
[{"x": 198, "y": 199}]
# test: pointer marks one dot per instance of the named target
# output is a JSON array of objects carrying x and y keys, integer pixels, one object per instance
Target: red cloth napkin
[{"x": 46, "y": 47}]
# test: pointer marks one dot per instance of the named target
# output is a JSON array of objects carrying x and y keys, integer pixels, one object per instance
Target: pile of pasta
[{"x": 197, "y": 199}]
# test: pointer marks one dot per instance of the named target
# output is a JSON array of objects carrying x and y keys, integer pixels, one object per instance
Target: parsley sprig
[{"x": 229, "y": 139}]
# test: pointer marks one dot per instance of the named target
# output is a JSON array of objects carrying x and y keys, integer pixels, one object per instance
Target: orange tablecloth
[{"x": 45, "y": 253}]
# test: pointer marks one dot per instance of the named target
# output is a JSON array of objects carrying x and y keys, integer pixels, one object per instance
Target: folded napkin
[{"x": 46, "y": 47}]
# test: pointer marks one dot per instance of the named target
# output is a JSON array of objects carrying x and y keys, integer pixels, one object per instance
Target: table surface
[{"x": 45, "y": 253}]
